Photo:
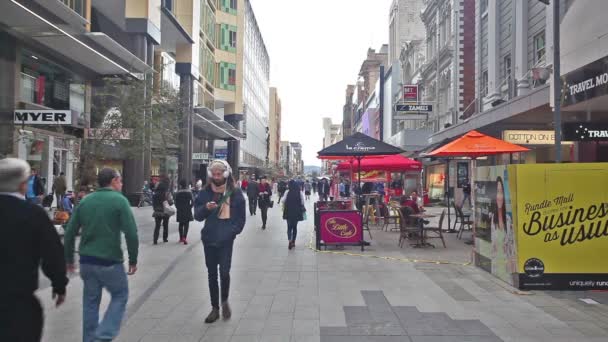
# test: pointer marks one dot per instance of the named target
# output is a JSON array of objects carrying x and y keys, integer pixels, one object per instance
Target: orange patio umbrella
[{"x": 473, "y": 145}]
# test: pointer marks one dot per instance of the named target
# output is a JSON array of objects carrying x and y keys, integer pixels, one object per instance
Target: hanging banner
[
  {"x": 369, "y": 176},
  {"x": 562, "y": 225}
]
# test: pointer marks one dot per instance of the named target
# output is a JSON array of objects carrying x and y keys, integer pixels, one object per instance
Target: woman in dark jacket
[
  {"x": 161, "y": 194},
  {"x": 264, "y": 199},
  {"x": 293, "y": 211},
  {"x": 183, "y": 203}
]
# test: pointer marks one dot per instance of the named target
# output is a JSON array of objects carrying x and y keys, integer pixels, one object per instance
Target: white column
[
  {"x": 49, "y": 175},
  {"x": 493, "y": 54},
  {"x": 69, "y": 172},
  {"x": 521, "y": 47}
]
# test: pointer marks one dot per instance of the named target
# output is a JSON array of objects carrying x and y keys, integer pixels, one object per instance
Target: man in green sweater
[{"x": 102, "y": 216}]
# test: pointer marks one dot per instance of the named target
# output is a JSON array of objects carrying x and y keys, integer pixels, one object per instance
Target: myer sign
[
  {"x": 43, "y": 117},
  {"x": 200, "y": 156}
]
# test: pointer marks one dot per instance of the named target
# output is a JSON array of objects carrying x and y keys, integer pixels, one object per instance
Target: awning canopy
[
  {"x": 173, "y": 33},
  {"x": 62, "y": 40},
  {"x": 213, "y": 127},
  {"x": 475, "y": 144},
  {"x": 394, "y": 163}
]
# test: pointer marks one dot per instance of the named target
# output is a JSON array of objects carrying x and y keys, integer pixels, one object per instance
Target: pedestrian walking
[
  {"x": 264, "y": 199},
  {"x": 183, "y": 203},
  {"x": 293, "y": 211},
  {"x": 101, "y": 217},
  {"x": 59, "y": 184},
  {"x": 314, "y": 185},
  {"x": 282, "y": 187},
  {"x": 31, "y": 241},
  {"x": 323, "y": 190},
  {"x": 162, "y": 202},
  {"x": 244, "y": 184},
  {"x": 222, "y": 206},
  {"x": 253, "y": 190},
  {"x": 466, "y": 191},
  {"x": 307, "y": 189},
  {"x": 35, "y": 188},
  {"x": 342, "y": 188}
]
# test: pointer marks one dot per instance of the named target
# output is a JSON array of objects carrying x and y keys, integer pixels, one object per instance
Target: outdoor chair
[
  {"x": 367, "y": 209},
  {"x": 461, "y": 218},
  {"x": 390, "y": 215},
  {"x": 436, "y": 232},
  {"x": 407, "y": 226},
  {"x": 464, "y": 220}
]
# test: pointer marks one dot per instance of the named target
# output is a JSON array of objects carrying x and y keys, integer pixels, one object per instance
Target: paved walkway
[{"x": 300, "y": 295}]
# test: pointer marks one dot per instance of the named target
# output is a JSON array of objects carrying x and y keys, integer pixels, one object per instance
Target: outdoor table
[{"x": 422, "y": 243}]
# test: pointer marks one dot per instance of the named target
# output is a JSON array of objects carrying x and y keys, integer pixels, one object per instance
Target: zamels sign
[{"x": 561, "y": 215}]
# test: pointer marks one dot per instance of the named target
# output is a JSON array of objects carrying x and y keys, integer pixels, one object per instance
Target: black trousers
[
  {"x": 183, "y": 229},
  {"x": 165, "y": 222},
  {"x": 264, "y": 211},
  {"x": 21, "y": 319},
  {"x": 253, "y": 204},
  {"x": 218, "y": 256}
]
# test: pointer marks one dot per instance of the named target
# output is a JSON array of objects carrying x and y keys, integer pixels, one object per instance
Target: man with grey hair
[
  {"x": 103, "y": 217},
  {"x": 31, "y": 240}
]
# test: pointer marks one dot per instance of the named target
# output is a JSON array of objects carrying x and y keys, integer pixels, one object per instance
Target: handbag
[
  {"x": 271, "y": 204},
  {"x": 168, "y": 209}
]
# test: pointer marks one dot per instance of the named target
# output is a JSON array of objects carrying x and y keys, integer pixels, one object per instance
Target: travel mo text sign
[
  {"x": 43, "y": 117},
  {"x": 341, "y": 227},
  {"x": 561, "y": 221},
  {"x": 585, "y": 83},
  {"x": 585, "y": 131}
]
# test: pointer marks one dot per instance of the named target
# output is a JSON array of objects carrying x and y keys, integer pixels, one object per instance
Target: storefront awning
[
  {"x": 129, "y": 60},
  {"x": 213, "y": 127},
  {"x": 173, "y": 33},
  {"x": 25, "y": 22}
]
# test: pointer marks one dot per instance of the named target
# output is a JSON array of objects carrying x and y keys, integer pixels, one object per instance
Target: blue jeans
[
  {"x": 218, "y": 255},
  {"x": 292, "y": 229},
  {"x": 114, "y": 280}
]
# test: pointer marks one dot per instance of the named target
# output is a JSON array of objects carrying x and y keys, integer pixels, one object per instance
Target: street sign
[
  {"x": 410, "y": 93},
  {"x": 200, "y": 156},
  {"x": 414, "y": 108},
  {"x": 411, "y": 116},
  {"x": 42, "y": 117}
]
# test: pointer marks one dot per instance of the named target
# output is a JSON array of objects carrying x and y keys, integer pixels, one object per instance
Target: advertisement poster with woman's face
[{"x": 493, "y": 219}]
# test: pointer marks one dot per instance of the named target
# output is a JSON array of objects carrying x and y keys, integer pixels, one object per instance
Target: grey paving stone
[
  {"x": 357, "y": 315},
  {"x": 334, "y": 331},
  {"x": 306, "y": 327},
  {"x": 474, "y": 328},
  {"x": 406, "y": 313},
  {"x": 250, "y": 327},
  {"x": 375, "y": 329},
  {"x": 375, "y": 301},
  {"x": 456, "y": 291},
  {"x": 455, "y": 339},
  {"x": 365, "y": 339}
]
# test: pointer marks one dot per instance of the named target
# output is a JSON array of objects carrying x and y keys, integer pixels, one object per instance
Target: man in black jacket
[
  {"x": 222, "y": 206},
  {"x": 253, "y": 190},
  {"x": 31, "y": 241}
]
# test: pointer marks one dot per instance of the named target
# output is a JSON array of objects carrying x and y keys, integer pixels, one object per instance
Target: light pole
[{"x": 557, "y": 81}]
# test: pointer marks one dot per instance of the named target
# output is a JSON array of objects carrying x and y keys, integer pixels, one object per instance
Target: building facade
[
  {"x": 274, "y": 128},
  {"x": 297, "y": 166},
  {"x": 332, "y": 134},
  {"x": 285, "y": 158}
]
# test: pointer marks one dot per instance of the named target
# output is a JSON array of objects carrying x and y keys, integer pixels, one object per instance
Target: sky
[{"x": 316, "y": 48}]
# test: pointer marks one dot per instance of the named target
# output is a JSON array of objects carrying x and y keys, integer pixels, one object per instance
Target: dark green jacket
[{"x": 102, "y": 216}]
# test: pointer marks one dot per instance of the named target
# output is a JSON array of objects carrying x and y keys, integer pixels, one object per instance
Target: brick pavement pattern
[{"x": 296, "y": 296}]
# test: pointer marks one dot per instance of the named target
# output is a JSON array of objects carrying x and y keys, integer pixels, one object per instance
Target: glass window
[
  {"x": 539, "y": 48},
  {"x": 484, "y": 83},
  {"x": 45, "y": 83},
  {"x": 233, "y": 39},
  {"x": 506, "y": 69},
  {"x": 483, "y": 7}
]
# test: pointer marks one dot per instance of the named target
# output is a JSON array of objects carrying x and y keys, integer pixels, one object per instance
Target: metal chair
[
  {"x": 464, "y": 222},
  {"x": 389, "y": 215},
  {"x": 436, "y": 231},
  {"x": 407, "y": 228}
]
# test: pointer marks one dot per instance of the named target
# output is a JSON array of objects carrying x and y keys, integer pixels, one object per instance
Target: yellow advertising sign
[{"x": 561, "y": 215}]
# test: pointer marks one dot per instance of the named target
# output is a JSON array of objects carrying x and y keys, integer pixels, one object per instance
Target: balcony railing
[{"x": 77, "y": 6}]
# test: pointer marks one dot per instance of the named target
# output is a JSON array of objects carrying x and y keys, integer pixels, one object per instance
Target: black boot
[
  {"x": 226, "y": 311},
  {"x": 214, "y": 315}
]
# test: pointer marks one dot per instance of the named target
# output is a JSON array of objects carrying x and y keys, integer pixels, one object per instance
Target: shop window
[
  {"x": 483, "y": 7},
  {"x": 45, "y": 83},
  {"x": 539, "y": 48},
  {"x": 232, "y": 77}
]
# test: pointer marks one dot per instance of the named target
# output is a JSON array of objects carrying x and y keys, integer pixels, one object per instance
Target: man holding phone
[
  {"x": 222, "y": 206},
  {"x": 103, "y": 217}
]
